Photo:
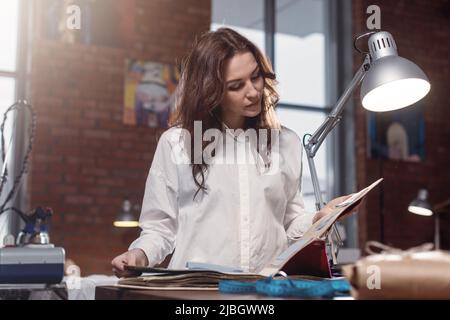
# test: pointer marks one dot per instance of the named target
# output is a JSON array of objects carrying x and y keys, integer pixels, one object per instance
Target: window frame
[
  {"x": 338, "y": 56},
  {"x": 19, "y": 136},
  {"x": 270, "y": 22},
  {"x": 340, "y": 143}
]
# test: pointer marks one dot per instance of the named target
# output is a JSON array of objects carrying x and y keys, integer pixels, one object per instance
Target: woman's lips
[{"x": 252, "y": 106}]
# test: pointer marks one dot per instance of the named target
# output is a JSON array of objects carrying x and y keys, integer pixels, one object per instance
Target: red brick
[
  {"x": 417, "y": 28},
  {"x": 85, "y": 160}
]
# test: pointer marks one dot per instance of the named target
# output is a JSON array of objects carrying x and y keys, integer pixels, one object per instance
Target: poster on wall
[
  {"x": 149, "y": 93},
  {"x": 397, "y": 135}
]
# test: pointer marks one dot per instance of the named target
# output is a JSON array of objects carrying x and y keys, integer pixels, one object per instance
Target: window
[
  {"x": 7, "y": 92},
  {"x": 296, "y": 35},
  {"x": 300, "y": 65},
  {"x": 246, "y": 17},
  {"x": 300, "y": 51},
  {"x": 8, "y": 34},
  {"x": 9, "y": 25}
]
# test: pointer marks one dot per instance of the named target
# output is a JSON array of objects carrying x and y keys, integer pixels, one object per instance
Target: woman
[{"x": 224, "y": 184}]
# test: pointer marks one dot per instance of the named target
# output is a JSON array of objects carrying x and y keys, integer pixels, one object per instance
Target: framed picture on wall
[
  {"x": 397, "y": 135},
  {"x": 149, "y": 93}
]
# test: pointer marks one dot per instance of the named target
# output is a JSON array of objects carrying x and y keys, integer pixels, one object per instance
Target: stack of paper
[{"x": 187, "y": 278}]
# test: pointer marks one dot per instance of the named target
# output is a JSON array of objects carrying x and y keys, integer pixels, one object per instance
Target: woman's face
[{"x": 244, "y": 86}]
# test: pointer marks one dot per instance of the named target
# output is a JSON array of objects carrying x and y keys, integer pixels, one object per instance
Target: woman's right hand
[{"x": 133, "y": 257}]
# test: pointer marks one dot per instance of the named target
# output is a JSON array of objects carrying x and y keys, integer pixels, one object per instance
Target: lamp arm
[
  {"x": 316, "y": 140},
  {"x": 335, "y": 115}
]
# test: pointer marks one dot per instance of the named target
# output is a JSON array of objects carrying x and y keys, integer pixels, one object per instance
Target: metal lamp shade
[
  {"x": 126, "y": 220},
  {"x": 420, "y": 205},
  {"x": 420, "y": 208},
  {"x": 393, "y": 83}
]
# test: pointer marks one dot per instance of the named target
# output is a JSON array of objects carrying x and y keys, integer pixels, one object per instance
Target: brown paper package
[{"x": 418, "y": 275}]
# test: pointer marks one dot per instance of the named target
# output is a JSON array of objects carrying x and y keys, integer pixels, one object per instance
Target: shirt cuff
[
  {"x": 299, "y": 226},
  {"x": 145, "y": 245}
]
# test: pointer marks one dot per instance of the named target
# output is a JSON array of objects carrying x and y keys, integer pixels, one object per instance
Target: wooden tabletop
[{"x": 118, "y": 293}]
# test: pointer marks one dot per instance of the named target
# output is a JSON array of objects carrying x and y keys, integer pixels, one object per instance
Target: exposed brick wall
[
  {"x": 85, "y": 160},
  {"x": 420, "y": 29}
]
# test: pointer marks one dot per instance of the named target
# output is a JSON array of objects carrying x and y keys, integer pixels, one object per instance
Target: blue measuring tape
[{"x": 289, "y": 287}]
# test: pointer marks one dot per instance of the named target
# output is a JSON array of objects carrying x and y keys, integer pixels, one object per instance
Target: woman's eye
[{"x": 235, "y": 87}]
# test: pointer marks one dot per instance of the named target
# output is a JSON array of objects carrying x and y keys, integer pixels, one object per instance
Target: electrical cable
[{"x": 16, "y": 106}]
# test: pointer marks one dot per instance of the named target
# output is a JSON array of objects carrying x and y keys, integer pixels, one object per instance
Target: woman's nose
[{"x": 252, "y": 93}]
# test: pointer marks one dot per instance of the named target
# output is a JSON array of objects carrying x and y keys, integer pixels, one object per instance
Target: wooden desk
[
  {"x": 117, "y": 293},
  {"x": 176, "y": 304}
]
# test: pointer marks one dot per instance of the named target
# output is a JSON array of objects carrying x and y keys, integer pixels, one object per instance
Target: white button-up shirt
[{"x": 244, "y": 219}]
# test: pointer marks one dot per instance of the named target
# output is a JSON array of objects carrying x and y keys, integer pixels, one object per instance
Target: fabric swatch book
[
  {"x": 305, "y": 257},
  {"x": 160, "y": 278}
]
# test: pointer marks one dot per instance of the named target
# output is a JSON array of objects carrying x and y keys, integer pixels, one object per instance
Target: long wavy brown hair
[{"x": 201, "y": 89}]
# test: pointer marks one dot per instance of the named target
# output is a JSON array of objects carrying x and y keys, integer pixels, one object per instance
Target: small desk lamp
[
  {"x": 389, "y": 82},
  {"x": 422, "y": 207},
  {"x": 126, "y": 218}
]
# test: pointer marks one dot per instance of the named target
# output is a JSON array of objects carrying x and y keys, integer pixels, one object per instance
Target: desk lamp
[
  {"x": 422, "y": 207},
  {"x": 389, "y": 82},
  {"x": 126, "y": 218}
]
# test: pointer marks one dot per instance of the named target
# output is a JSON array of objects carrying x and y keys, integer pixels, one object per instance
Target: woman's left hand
[{"x": 331, "y": 206}]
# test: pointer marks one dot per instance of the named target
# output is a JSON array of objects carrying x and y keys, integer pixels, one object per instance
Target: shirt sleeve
[
  {"x": 297, "y": 220},
  {"x": 158, "y": 219}
]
